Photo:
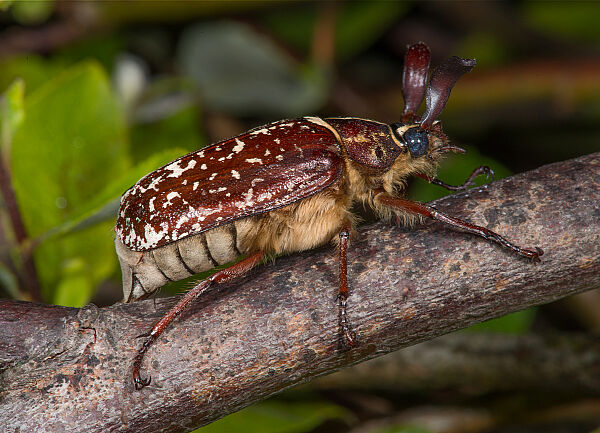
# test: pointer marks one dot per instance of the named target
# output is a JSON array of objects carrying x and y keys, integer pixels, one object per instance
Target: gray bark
[{"x": 66, "y": 369}]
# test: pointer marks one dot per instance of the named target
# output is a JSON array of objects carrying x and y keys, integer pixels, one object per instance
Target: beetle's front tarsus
[{"x": 481, "y": 170}]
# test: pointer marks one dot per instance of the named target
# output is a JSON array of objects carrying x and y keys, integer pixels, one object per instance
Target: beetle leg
[
  {"x": 430, "y": 212},
  {"x": 484, "y": 169},
  {"x": 349, "y": 335},
  {"x": 222, "y": 276}
]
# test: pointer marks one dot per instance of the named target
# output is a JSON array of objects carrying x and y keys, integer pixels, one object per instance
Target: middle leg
[{"x": 349, "y": 335}]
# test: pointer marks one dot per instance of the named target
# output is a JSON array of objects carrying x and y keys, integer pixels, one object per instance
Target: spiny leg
[
  {"x": 484, "y": 169},
  {"x": 343, "y": 294},
  {"x": 430, "y": 212},
  {"x": 222, "y": 276}
]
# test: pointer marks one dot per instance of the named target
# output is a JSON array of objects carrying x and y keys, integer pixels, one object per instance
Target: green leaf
[
  {"x": 179, "y": 130},
  {"x": 105, "y": 205},
  {"x": 76, "y": 286},
  {"x": 103, "y": 48},
  {"x": 34, "y": 70},
  {"x": 14, "y": 111},
  {"x": 276, "y": 416},
  {"x": 70, "y": 146}
]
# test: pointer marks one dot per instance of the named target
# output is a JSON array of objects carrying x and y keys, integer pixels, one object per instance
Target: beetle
[{"x": 285, "y": 187}]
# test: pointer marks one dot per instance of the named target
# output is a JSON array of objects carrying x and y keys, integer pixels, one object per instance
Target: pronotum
[{"x": 285, "y": 187}]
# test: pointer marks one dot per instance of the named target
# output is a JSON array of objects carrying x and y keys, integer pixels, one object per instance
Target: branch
[{"x": 67, "y": 369}]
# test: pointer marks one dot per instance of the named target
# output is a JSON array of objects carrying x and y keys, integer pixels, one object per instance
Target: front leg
[
  {"x": 430, "y": 212},
  {"x": 483, "y": 169}
]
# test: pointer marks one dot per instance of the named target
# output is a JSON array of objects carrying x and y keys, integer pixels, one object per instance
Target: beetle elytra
[{"x": 285, "y": 187}]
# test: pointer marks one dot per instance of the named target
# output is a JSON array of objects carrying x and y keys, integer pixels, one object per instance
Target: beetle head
[{"x": 424, "y": 136}]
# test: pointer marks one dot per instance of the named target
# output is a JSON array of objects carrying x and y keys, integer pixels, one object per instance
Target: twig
[{"x": 29, "y": 273}]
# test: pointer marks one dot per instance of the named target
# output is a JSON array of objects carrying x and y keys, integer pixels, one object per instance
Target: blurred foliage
[
  {"x": 70, "y": 163},
  {"x": 72, "y": 153},
  {"x": 241, "y": 72},
  {"x": 358, "y": 25},
  {"x": 12, "y": 114},
  {"x": 403, "y": 429},
  {"x": 116, "y": 90},
  {"x": 32, "y": 12},
  {"x": 275, "y": 416},
  {"x": 574, "y": 20},
  {"x": 103, "y": 49},
  {"x": 176, "y": 132},
  {"x": 32, "y": 69},
  {"x": 514, "y": 323},
  {"x": 487, "y": 47}
]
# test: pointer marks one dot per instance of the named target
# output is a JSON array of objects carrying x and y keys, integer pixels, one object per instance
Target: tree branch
[{"x": 65, "y": 369}]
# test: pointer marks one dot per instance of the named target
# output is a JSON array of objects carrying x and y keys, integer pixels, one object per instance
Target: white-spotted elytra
[{"x": 285, "y": 187}]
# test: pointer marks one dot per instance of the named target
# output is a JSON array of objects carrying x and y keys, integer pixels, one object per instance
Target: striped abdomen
[{"x": 144, "y": 272}]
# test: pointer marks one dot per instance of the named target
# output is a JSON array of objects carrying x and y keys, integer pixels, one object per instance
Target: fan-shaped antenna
[
  {"x": 414, "y": 78},
  {"x": 442, "y": 80}
]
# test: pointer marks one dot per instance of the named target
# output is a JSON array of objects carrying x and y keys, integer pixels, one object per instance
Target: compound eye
[{"x": 417, "y": 141}]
